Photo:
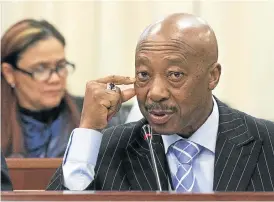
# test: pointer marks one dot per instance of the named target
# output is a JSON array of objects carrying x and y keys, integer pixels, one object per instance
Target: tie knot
[{"x": 185, "y": 151}]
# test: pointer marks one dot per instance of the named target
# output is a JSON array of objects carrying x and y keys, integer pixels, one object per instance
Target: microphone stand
[{"x": 148, "y": 137}]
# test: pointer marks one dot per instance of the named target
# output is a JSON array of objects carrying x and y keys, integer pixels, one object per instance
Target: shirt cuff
[{"x": 83, "y": 146}]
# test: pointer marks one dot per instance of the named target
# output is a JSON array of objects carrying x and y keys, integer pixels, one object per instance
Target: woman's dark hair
[{"x": 17, "y": 39}]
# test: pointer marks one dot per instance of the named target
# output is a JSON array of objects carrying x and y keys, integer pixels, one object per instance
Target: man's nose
[{"x": 158, "y": 90}]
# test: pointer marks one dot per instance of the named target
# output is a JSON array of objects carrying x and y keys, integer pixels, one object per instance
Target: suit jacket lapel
[
  {"x": 236, "y": 151},
  {"x": 138, "y": 165}
]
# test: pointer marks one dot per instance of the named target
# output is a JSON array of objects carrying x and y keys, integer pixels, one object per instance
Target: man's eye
[
  {"x": 175, "y": 76},
  {"x": 142, "y": 76}
]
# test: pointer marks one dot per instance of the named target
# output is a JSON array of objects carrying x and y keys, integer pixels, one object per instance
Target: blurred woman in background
[{"x": 37, "y": 113}]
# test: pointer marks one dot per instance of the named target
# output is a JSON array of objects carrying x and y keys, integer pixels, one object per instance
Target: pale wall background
[{"x": 101, "y": 38}]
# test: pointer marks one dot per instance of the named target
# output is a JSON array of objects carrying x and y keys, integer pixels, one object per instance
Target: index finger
[{"x": 118, "y": 80}]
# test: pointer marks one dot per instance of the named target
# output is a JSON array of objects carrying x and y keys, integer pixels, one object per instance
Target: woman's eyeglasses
[{"x": 42, "y": 73}]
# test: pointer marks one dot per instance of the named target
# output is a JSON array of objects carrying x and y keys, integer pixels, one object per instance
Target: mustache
[{"x": 158, "y": 106}]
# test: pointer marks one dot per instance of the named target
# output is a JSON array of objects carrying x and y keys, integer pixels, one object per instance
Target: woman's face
[{"x": 38, "y": 95}]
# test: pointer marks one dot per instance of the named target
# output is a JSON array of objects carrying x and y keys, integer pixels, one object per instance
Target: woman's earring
[{"x": 12, "y": 85}]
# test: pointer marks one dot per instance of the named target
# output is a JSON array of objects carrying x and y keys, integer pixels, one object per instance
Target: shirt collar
[{"x": 205, "y": 136}]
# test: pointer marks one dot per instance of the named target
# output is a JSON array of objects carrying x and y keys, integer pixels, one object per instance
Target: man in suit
[{"x": 200, "y": 144}]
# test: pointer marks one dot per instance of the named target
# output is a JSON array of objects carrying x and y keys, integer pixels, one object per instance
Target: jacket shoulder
[
  {"x": 262, "y": 128},
  {"x": 259, "y": 128}
]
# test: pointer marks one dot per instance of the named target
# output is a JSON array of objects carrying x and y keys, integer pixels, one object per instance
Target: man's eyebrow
[
  {"x": 175, "y": 60},
  {"x": 142, "y": 60}
]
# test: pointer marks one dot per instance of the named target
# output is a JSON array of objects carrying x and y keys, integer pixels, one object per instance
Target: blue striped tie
[{"x": 185, "y": 151}]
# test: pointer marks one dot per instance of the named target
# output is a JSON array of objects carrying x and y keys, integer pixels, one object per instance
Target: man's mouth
[{"x": 159, "y": 116}]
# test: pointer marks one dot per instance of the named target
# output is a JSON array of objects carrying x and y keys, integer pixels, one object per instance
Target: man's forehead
[
  {"x": 161, "y": 58},
  {"x": 167, "y": 45}
]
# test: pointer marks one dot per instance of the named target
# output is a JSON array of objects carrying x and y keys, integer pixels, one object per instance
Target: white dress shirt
[{"x": 84, "y": 144}]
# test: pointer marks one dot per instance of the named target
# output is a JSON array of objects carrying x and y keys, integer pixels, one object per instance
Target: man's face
[{"x": 171, "y": 85}]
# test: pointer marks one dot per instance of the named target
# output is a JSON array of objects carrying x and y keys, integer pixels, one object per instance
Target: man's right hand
[{"x": 100, "y": 103}]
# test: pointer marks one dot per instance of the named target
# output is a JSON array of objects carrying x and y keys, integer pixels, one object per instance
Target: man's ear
[
  {"x": 214, "y": 75},
  {"x": 8, "y": 73}
]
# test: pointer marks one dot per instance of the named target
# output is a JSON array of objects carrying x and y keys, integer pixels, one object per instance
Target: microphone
[{"x": 147, "y": 129}]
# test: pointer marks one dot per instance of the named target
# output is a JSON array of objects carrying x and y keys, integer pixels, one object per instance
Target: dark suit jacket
[
  {"x": 6, "y": 184},
  {"x": 244, "y": 157}
]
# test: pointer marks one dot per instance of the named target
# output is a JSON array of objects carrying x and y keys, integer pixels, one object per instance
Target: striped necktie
[{"x": 185, "y": 151}]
